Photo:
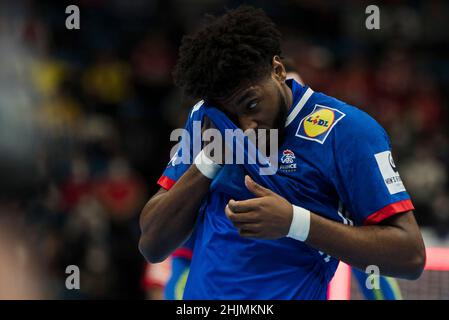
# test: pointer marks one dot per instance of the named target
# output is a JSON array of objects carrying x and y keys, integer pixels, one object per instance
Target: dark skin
[{"x": 395, "y": 245}]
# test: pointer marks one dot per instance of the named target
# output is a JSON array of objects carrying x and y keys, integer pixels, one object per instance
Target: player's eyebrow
[
  {"x": 238, "y": 95},
  {"x": 248, "y": 92}
]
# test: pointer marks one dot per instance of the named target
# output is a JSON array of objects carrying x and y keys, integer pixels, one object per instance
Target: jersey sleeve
[
  {"x": 367, "y": 179},
  {"x": 186, "y": 150},
  {"x": 186, "y": 250}
]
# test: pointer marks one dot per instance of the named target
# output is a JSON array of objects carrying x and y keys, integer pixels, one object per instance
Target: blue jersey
[{"x": 335, "y": 161}]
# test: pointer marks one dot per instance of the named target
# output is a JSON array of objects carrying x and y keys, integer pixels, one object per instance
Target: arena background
[{"x": 85, "y": 118}]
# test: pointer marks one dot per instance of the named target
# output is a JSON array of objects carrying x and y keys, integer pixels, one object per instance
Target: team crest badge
[
  {"x": 318, "y": 124},
  {"x": 288, "y": 161}
]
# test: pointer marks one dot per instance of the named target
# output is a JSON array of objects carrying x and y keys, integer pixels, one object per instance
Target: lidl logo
[
  {"x": 318, "y": 122},
  {"x": 317, "y": 125}
]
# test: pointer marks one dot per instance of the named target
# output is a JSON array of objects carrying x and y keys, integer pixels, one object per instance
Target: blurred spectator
[{"x": 107, "y": 79}]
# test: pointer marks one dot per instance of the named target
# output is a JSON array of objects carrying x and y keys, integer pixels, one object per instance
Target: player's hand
[{"x": 268, "y": 216}]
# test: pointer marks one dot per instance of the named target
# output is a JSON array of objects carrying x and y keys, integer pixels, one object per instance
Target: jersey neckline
[{"x": 301, "y": 95}]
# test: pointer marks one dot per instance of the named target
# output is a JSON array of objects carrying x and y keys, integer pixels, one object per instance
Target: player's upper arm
[
  {"x": 184, "y": 154},
  {"x": 367, "y": 179}
]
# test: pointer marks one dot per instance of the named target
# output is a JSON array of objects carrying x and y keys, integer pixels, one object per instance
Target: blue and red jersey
[{"x": 335, "y": 161}]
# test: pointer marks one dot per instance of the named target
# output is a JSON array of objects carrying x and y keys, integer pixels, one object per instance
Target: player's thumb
[{"x": 255, "y": 188}]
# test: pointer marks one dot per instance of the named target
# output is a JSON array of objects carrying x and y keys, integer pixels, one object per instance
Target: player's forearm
[
  {"x": 168, "y": 218},
  {"x": 396, "y": 252}
]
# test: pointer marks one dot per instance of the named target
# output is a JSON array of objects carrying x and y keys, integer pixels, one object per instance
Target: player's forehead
[{"x": 240, "y": 95}]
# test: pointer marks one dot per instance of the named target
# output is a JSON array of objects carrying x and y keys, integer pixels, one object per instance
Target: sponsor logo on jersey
[
  {"x": 288, "y": 161},
  {"x": 389, "y": 172},
  {"x": 317, "y": 125}
]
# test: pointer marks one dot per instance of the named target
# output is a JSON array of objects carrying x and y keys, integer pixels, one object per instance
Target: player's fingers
[
  {"x": 256, "y": 188},
  {"x": 244, "y": 205},
  {"x": 249, "y": 233},
  {"x": 239, "y": 217},
  {"x": 250, "y": 226}
]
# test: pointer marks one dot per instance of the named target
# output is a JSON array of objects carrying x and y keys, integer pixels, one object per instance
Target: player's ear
[{"x": 278, "y": 70}]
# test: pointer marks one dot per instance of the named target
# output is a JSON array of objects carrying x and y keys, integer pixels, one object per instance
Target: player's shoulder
[
  {"x": 341, "y": 120},
  {"x": 358, "y": 124}
]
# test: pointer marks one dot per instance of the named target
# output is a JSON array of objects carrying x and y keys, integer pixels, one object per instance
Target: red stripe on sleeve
[
  {"x": 183, "y": 253},
  {"x": 388, "y": 211},
  {"x": 165, "y": 182}
]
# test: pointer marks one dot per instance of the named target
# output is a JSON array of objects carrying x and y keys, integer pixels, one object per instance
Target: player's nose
[{"x": 248, "y": 123}]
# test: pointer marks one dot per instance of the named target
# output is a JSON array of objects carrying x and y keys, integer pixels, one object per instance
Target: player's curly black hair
[{"x": 229, "y": 50}]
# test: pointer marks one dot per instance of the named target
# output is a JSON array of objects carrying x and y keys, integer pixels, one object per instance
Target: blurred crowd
[{"x": 85, "y": 115}]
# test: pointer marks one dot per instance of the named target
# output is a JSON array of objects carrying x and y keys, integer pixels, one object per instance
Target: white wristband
[
  {"x": 206, "y": 165},
  {"x": 300, "y": 226}
]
